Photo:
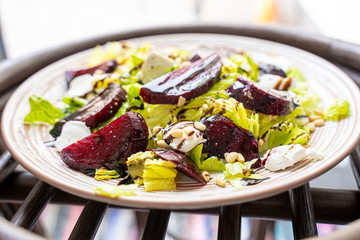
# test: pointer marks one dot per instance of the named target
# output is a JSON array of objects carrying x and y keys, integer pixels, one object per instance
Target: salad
[{"x": 142, "y": 114}]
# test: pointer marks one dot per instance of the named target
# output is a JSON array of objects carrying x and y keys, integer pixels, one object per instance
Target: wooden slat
[
  {"x": 327, "y": 202},
  {"x": 89, "y": 221},
  {"x": 7, "y": 165},
  {"x": 230, "y": 222},
  {"x": 302, "y": 211},
  {"x": 34, "y": 204},
  {"x": 156, "y": 225}
]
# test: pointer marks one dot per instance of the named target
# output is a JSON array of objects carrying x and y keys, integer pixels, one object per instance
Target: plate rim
[{"x": 130, "y": 201}]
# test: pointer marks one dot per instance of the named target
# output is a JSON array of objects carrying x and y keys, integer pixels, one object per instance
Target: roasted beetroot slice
[
  {"x": 110, "y": 146},
  {"x": 183, "y": 163},
  {"x": 223, "y": 136},
  {"x": 188, "y": 82},
  {"x": 271, "y": 69},
  {"x": 106, "y": 67},
  {"x": 266, "y": 101},
  {"x": 100, "y": 109}
]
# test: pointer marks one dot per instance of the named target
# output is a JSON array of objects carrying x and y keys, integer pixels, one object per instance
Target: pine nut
[
  {"x": 206, "y": 176},
  {"x": 205, "y": 107},
  {"x": 318, "y": 112},
  {"x": 231, "y": 157},
  {"x": 240, "y": 158},
  {"x": 181, "y": 101},
  {"x": 220, "y": 182},
  {"x": 311, "y": 126},
  {"x": 176, "y": 133},
  {"x": 285, "y": 84},
  {"x": 200, "y": 126},
  {"x": 156, "y": 129},
  {"x": 314, "y": 117},
  {"x": 260, "y": 142},
  {"x": 162, "y": 143},
  {"x": 188, "y": 130},
  {"x": 319, "y": 122},
  {"x": 98, "y": 72}
]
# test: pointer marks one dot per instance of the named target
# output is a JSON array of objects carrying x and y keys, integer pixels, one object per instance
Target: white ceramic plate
[{"x": 335, "y": 139}]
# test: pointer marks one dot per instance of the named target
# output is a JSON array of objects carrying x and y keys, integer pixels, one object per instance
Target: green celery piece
[
  {"x": 116, "y": 191},
  {"x": 42, "y": 111},
  {"x": 339, "y": 110}
]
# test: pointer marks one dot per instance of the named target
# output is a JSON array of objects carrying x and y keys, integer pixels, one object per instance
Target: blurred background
[{"x": 28, "y": 26}]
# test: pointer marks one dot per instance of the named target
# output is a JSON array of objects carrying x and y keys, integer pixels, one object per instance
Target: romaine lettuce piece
[
  {"x": 339, "y": 110},
  {"x": 300, "y": 87},
  {"x": 159, "y": 175},
  {"x": 116, "y": 191},
  {"x": 136, "y": 163},
  {"x": 74, "y": 103},
  {"x": 285, "y": 133},
  {"x": 203, "y": 163},
  {"x": 234, "y": 110},
  {"x": 42, "y": 111},
  {"x": 235, "y": 172},
  {"x": 102, "y": 174}
]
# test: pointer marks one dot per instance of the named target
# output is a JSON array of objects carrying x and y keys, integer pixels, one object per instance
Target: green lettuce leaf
[
  {"x": 242, "y": 64},
  {"x": 284, "y": 134},
  {"x": 234, "y": 110},
  {"x": 42, "y": 111},
  {"x": 202, "y": 162},
  {"x": 339, "y": 110},
  {"x": 300, "y": 87},
  {"x": 235, "y": 172},
  {"x": 116, "y": 191},
  {"x": 74, "y": 103}
]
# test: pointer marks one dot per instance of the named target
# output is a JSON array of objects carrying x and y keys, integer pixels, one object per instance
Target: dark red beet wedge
[
  {"x": 106, "y": 67},
  {"x": 223, "y": 136},
  {"x": 271, "y": 69},
  {"x": 183, "y": 163},
  {"x": 100, "y": 109},
  {"x": 266, "y": 101},
  {"x": 188, "y": 82},
  {"x": 110, "y": 146}
]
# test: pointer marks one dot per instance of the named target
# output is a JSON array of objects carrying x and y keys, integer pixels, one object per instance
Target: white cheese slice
[
  {"x": 80, "y": 85},
  {"x": 71, "y": 132},
  {"x": 282, "y": 157},
  {"x": 154, "y": 66}
]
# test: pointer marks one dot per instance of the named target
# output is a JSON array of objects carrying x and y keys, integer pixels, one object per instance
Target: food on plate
[
  {"x": 279, "y": 158},
  {"x": 184, "y": 83},
  {"x": 261, "y": 100},
  {"x": 109, "y": 146},
  {"x": 100, "y": 109},
  {"x": 106, "y": 67},
  {"x": 147, "y": 114}
]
